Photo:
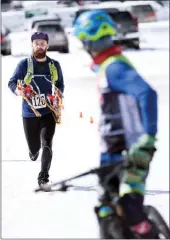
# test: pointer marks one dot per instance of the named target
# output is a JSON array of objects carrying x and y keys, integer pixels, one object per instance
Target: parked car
[
  {"x": 66, "y": 14},
  {"x": 143, "y": 10},
  {"x": 127, "y": 28},
  {"x": 5, "y": 5},
  {"x": 35, "y": 12},
  {"x": 126, "y": 23},
  {"x": 16, "y": 5},
  {"x": 103, "y": 6},
  {"x": 161, "y": 11},
  {"x": 5, "y": 41},
  {"x": 67, "y": 3},
  {"x": 37, "y": 20},
  {"x": 17, "y": 21},
  {"x": 13, "y": 20},
  {"x": 58, "y": 40}
]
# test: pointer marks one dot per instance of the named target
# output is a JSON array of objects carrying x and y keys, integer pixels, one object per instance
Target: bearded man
[{"x": 39, "y": 74}]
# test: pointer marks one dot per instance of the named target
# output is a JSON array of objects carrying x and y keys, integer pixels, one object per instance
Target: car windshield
[
  {"x": 142, "y": 9},
  {"x": 50, "y": 28},
  {"x": 121, "y": 16},
  {"x": 35, "y": 12},
  {"x": 110, "y": 10}
]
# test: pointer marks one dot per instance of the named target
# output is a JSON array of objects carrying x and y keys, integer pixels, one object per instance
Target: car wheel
[
  {"x": 6, "y": 53},
  {"x": 65, "y": 50},
  {"x": 136, "y": 44}
]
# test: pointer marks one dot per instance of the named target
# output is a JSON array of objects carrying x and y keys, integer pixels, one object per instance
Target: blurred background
[
  {"x": 143, "y": 32},
  {"x": 57, "y": 18}
]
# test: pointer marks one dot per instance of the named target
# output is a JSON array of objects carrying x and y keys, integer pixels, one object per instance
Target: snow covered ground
[{"x": 76, "y": 148}]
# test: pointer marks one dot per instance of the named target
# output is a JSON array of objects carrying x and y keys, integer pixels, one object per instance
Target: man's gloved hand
[
  {"x": 18, "y": 91},
  {"x": 27, "y": 91},
  {"x": 141, "y": 153},
  {"x": 52, "y": 100}
]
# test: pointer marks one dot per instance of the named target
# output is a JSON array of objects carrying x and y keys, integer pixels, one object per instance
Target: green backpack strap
[
  {"x": 30, "y": 71},
  {"x": 53, "y": 71}
]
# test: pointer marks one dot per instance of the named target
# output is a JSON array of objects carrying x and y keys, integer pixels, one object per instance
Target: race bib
[{"x": 37, "y": 102}]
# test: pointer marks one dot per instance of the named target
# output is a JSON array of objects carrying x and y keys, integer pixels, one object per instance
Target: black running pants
[{"x": 39, "y": 132}]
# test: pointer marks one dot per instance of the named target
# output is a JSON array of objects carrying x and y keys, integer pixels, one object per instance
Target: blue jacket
[
  {"x": 45, "y": 87},
  {"x": 123, "y": 78}
]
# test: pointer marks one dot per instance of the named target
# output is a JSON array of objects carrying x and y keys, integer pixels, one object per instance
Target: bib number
[{"x": 37, "y": 102}]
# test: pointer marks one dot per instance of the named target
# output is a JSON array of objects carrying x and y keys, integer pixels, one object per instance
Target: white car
[
  {"x": 13, "y": 20},
  {"x": 147, "y": 11},
  {"x": 67, "y": 15},
  {"x": 58, "y": 40}
]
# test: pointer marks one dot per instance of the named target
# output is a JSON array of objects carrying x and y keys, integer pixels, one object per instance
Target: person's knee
[
  {"x": 33, "y": 157},
  {"x": 47, "y": 152},
  {"x": 47, "y": 143},
  {"x": 34, "y": 149}
]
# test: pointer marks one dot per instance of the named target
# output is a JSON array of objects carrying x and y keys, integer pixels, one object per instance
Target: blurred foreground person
[{"x": 128, "y": 123}]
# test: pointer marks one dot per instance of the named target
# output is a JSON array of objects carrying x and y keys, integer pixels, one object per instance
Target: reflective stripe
[
  {"x": 126, "y": 188},
  {"x": 30, "y": 71}
]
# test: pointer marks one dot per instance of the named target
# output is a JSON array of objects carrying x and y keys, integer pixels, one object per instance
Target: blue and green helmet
[{"x": 93, "y": 26}]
